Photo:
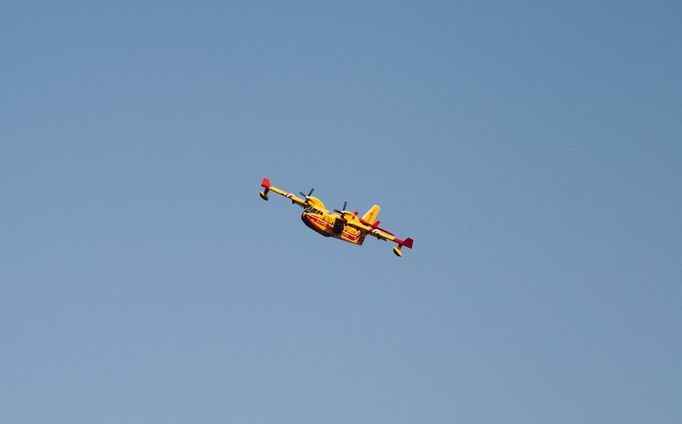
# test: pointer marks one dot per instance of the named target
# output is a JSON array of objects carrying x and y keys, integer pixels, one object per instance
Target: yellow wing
[
  {"x": 380, "y": 233},
  {"x": 268, "y": 187}
]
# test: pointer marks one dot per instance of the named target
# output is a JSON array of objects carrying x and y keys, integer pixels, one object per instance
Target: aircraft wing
[
  {"x": 268, "y": 187},
  {"x": 381, "y": 234}
]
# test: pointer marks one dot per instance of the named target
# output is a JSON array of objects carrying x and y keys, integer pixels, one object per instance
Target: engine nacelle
[{"x": 315, "y": 202}]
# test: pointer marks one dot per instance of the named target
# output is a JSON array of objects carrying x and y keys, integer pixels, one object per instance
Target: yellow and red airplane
[{"x": 340, "y": 224}]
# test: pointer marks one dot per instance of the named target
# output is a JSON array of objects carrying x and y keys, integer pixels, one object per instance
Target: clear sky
[{"x": 532, "y": 149}]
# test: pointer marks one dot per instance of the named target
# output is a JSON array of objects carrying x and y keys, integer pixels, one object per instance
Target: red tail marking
[{"x": 265, "y": 183}]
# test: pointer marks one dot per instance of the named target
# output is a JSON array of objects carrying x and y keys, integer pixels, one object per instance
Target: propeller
[
  {"x": 309, "y": 193},
  {"x": 340, "y": 212}
]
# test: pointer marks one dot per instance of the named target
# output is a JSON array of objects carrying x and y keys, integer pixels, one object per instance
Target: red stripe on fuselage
[{"x": 321, "y": 226}]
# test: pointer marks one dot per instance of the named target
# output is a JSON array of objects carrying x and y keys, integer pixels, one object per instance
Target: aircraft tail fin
[{"x": 371, "y": 214}]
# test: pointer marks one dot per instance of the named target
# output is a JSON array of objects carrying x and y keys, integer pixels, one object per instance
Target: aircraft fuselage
[{"x": 331, "y": 225}]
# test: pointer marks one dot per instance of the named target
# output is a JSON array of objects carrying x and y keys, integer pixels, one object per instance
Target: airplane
[{"x": 340, "y": 224}]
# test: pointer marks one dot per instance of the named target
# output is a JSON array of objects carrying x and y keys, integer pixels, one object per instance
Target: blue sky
[{"x": 531, "y": 149}]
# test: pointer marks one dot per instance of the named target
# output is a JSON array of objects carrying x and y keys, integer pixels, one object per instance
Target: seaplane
[{"x": 340, "y": 224}]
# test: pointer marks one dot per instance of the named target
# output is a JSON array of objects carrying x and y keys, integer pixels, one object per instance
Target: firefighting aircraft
[{"x": 340, "y": 224}]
